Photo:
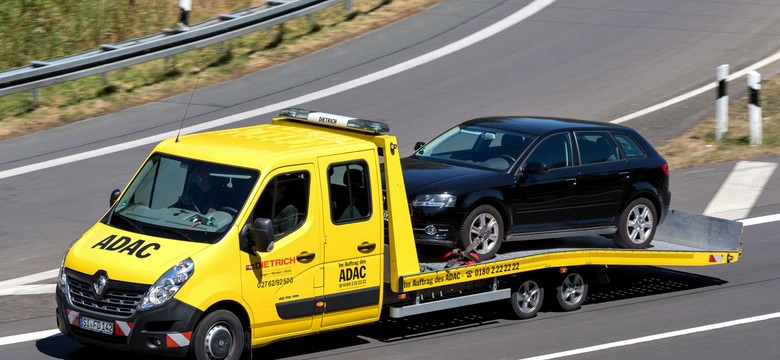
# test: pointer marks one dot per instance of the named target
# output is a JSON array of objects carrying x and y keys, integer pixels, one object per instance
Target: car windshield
[
  {"x": 182, "y": 199},
  {"x": 474, "y": 145}
]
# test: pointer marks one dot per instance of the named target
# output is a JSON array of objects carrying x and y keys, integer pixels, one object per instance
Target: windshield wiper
[
  {"x": 127, "y": 221},
  {"x": 170, "y": 231}
]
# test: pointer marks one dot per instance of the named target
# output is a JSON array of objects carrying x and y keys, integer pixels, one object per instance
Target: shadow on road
[{"x": 634, "y": 282}]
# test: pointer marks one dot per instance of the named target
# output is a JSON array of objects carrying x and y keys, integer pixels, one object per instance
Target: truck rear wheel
[
  {"x": 219, "y": 336},
  {"x": 526, "y": 299},
  {"x": 571, "y": 292},
  {"x": 482, "y": 232},
  {"x": 637, "y": 224}
]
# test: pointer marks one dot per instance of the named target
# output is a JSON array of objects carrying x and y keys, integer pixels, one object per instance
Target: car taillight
[{"x": 665, "y": 166}]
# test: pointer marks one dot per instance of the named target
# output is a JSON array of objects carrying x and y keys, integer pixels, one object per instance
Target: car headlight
[
  {"x": 168, "y": 284},
  {"x": 62, "y": 279},
  {"x": 435, "y": 200}
]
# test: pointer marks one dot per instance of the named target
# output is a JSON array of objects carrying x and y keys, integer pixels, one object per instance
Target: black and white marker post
[
  {"x": 722, "y": 103},
  {"x": 754, "y": 108}
]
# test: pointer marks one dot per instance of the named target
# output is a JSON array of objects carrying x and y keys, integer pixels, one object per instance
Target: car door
[
  {"x": 353, "y": 239},
  {"x": 546, "y": 200},
  {"x": 603, "y": 181},
  {"x": 283, "y": 284}
]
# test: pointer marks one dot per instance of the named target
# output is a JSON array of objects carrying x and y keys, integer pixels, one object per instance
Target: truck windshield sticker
[{"x": 124, "y": 244}]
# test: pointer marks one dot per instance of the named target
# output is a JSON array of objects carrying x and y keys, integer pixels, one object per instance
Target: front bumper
[
  {"x": 165, "y": 331},
  {"x": 436, "y": 227}
]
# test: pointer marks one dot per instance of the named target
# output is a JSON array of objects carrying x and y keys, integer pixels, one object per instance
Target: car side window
[
  {"x": 596, "y": 147},
  {"x": 630, "y": 147},
  {"x": 554, "y": 152},
  {"x": 285, "y": 201},
  {"x": 349, "y": 192}
]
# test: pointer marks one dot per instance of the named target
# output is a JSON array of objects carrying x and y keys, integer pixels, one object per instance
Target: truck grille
[{"x": 117, "y": 301}]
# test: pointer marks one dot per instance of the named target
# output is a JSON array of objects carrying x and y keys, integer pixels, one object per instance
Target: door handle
[
  {"x": 571, "y": 181},
  {"x": 624, "y": 174},
  {"x": 305, "y": 257},
  {"x": 365, "y": 247}
]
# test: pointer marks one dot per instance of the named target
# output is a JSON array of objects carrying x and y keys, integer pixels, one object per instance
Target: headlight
[
  {"x": 435, "y": 200},
  {"x": 167, "y": 285},
  {"x": 62, "y": 279}
]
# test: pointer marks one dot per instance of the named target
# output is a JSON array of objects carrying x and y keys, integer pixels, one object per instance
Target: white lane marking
[
  {"x": 699, "y": 91},
  {"x": 760, "y": 220},
  {"x": 472, "y": 39},
  {"x": 44, "y": 275},
  {"x": 29, "y": 289},
  {"x": 657, "y": 337},
  {"x": 741, "y": 190},
  {"x": 13, "y": 339}
]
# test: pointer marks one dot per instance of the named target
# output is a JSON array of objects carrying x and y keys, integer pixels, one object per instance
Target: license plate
[{"x": 103, "y": 327}]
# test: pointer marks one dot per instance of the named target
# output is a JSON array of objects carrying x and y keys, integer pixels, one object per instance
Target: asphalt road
[{"x": 593, "y": 59}]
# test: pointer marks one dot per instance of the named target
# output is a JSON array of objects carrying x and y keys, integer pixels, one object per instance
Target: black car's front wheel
[
  {"x": 637, "y": 225},
  {"x": 482, "y": 232}
]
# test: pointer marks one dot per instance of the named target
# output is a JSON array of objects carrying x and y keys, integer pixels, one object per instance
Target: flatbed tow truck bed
[{"x": 684, "y": 239}]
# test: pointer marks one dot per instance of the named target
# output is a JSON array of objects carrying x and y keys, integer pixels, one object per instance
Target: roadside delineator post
[
  {"x": 754, "y": 107},
  {"x": 722, "y": 103}
]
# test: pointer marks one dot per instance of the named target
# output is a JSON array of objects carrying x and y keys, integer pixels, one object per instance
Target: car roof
[{"x": 534, "y": 125}]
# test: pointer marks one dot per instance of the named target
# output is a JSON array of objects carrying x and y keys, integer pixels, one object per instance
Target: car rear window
[{"x": 629, "y": 146}]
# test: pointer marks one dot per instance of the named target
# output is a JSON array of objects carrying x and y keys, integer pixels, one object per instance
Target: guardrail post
[
  {"x": 104, "y": 78},
  {"x": 722, "y": 103},
  {"x": 36, "y": 96},
  {"x": 754, "y": 107},
  {"x": 348, "y": 6}
]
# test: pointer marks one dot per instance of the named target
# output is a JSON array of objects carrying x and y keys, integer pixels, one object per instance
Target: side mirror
[
  {"x": 418, "y": 145},
  {"x": 114, "y": 197},
  {"x": 535, "y": 168},
  {"x": 260, "y": 234}
]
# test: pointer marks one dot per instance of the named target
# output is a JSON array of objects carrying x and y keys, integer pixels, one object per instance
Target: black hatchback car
[{"x": 497, "y": 179}]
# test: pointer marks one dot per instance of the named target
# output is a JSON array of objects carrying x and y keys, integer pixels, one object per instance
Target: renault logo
[{"x": 100, "y": 285}]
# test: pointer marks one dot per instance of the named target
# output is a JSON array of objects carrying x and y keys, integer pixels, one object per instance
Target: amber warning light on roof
[{"x": 335, "y": 120}]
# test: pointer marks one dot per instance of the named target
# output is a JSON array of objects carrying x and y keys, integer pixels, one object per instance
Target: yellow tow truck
[{"x": 229, "y": 240}]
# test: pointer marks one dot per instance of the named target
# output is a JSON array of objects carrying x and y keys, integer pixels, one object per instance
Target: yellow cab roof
[{"x": 259, "y": 146}]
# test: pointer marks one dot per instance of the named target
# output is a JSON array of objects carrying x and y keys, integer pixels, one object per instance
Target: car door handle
[
  {"x": 365, "y": 247},
  {"x": 305, "y": 257},
  {"x": 624, "y": 174},
  {"x": 571, "y": 181}
]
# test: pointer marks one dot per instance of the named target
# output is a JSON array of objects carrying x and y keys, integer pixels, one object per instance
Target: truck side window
[
  {"x": 349, "y": 192},
  {"x": 285, "y": 201}
]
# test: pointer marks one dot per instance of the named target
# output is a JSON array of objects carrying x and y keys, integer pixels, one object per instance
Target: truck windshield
[{"x": 182, "y": 199}]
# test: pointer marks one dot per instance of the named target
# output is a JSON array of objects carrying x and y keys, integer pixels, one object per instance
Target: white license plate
[{"x": 103, "y": 327}]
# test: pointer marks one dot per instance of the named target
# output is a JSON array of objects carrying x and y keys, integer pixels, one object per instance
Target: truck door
[
  {"x": 282, "y": 285},
  {"x": 353, "y": 239}
]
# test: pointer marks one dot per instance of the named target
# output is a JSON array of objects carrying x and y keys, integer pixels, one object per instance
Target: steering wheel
[
  {"x": 186, "y": 200},
  {"x": 229, "y": 210}
]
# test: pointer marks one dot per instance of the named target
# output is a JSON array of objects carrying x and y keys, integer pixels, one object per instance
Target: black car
[{"x": 496, "y": 179}]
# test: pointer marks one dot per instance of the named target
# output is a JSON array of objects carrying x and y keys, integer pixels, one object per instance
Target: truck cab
[{"x": 236, "y": 238}]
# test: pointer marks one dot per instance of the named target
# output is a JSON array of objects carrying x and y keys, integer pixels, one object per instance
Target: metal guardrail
[{"x": 169, "y": 42}]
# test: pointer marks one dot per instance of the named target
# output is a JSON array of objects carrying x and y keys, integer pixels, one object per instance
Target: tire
[
  {"x": 484, "y": 227},
  {"x": 219, "y": 336},
  {"x": 637, "y": 225},
  {"x": 526, "y": 299},
  {"x": 571, "y": 292}
]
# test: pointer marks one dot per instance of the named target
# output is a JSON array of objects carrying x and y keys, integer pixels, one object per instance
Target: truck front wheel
[{"x": 218, "y": 336}]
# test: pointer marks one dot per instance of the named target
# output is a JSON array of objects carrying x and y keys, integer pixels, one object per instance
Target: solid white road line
[
  {"x": 13, "y": 339},
  {"x": 657, "y": 337},
  {"x": 472, "y": 39},
  {"x": 29, "y": 290},
  {"x": 741, "y": 190},
  {"x": 29, "y": 279}
]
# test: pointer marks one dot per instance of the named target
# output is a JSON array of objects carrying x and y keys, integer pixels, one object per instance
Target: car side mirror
[
  {"x": 535, "y": 168},
  {"x": 260, "y": 234},
  {"x": 418, "y": 145},
  {"x": 114, "y": 197}
]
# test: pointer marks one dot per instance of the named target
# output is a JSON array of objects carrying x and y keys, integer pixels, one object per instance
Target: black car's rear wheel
[
  {"x": 637, "y": 225},
  {"x": 482, "y": 232}
]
